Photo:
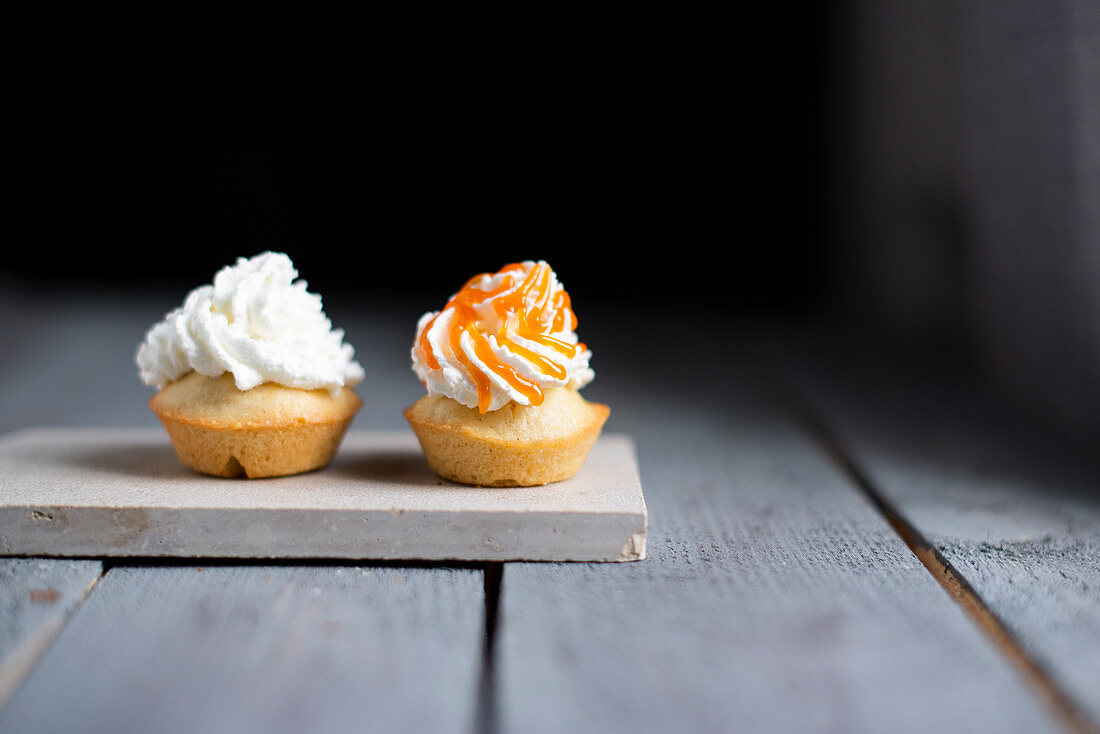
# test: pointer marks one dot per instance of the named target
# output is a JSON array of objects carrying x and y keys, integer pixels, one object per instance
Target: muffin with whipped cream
[
  {"x": 502, "y": 366},
  {"x": 253, "y": 380}
]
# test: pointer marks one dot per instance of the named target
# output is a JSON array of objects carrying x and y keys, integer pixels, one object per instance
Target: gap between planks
[
  {"x": 776, "y": 379},
  {"x": 486, "y": 719}
]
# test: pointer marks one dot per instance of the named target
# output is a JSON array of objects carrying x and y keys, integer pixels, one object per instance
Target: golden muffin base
[
  {"x": 516, "y": 446},
  {"x": 268, "y": 431}
]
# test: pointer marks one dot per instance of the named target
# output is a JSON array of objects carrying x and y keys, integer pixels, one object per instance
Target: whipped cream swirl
[
  {"x": 258, "y": 323},
  {"x": 504, "y": 337}
]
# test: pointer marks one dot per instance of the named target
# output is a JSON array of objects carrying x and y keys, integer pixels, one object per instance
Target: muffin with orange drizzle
[{"x": 502, "y": 366}]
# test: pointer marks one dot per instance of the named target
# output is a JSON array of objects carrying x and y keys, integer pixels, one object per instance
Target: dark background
[
  {"x": 923, "y": 174},
  {"x": 662, "y": 167}
]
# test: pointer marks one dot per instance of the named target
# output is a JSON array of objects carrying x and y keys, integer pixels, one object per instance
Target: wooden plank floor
[
  {"x": 37, "y": 596},
  {"x": 1013, "y": 513},
  {"x": 775, "y": 599},
  {"x": 781, "y": 594}
]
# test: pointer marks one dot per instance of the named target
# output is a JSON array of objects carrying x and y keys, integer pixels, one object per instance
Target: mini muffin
[
  {"x": 517, "y": 445},
  {"x": 268, "y": 431},
  {"x": 502, "y": 366},
  {"x": 253, "y": 379}
]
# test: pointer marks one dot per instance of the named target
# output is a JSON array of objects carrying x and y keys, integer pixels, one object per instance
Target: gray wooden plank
[
  {"x": 262, "y": 649},
  {"x": 36, "y": 598},
  {"x": 1015, "y": 510},
  {"x": 774, "y": 598}
]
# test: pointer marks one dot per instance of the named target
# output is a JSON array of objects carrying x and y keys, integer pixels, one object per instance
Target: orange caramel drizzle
[{"x": 524, "y": 306}]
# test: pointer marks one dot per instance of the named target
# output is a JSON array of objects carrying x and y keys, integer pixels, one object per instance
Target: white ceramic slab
[{"x": 91, "y": 492}]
